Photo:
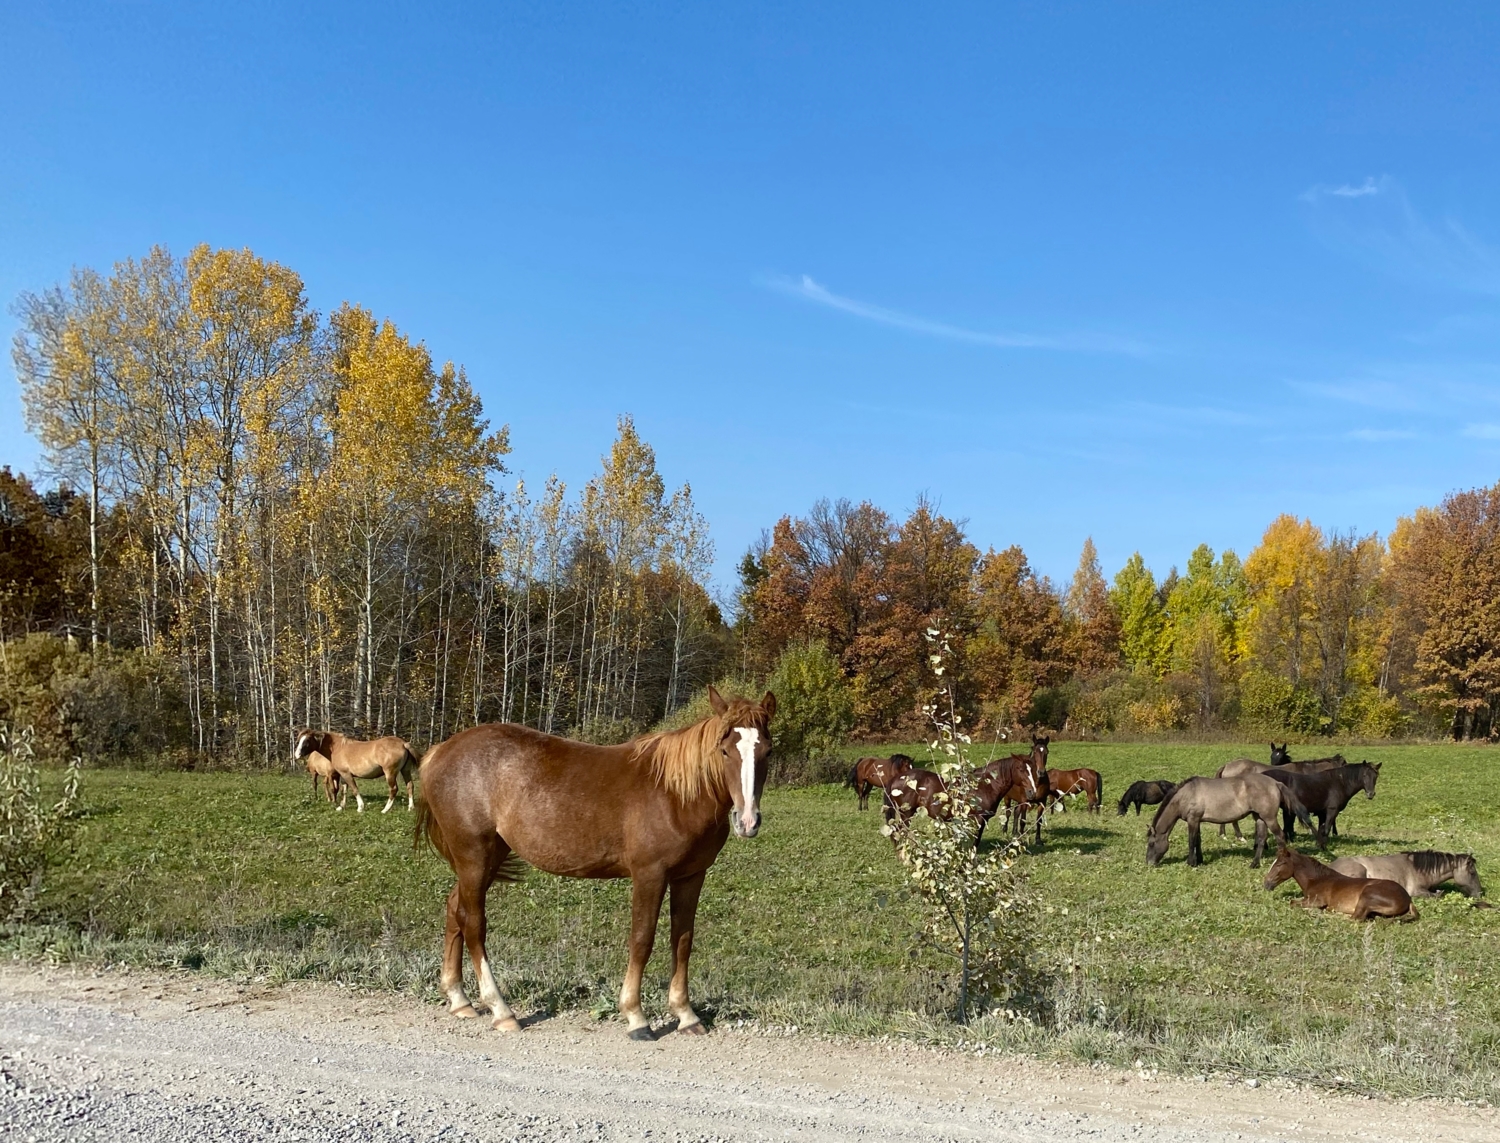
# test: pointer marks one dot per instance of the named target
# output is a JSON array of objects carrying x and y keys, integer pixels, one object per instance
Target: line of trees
[
  {"x": 268, "y": 518},
  {"x": 1312, "y": 633},
  {"x": 297, "y": 520}
]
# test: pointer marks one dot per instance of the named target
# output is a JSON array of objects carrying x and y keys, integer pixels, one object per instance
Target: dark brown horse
[
  {"x": 1144, "y": 793},
  {"x": 876, "y": 773},
  {"x": 1322, "y": 888},
  {"x": 1325, "y": 793},
  {"x": 1022, "y": 782},
  {"x": 351, "y": 758},
  {"x": 914, "y": 790},
  {"x": 656, "y": 809}
]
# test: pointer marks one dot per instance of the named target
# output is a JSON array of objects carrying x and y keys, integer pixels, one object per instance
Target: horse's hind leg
[
  {"x": 684, "y": 902},
  {"x": 452, "y": 978},
  {"x": 472, "y": 888},
  {"x": 863, "y": 790},
  {"x": 1260, "y": 842},
  {"x": 392, "y": 791},
  {"x": 646, "y": 892}
]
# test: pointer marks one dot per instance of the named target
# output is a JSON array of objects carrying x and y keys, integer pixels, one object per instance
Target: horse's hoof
[
  {"x": 466, "y": 1012},
  {"x": 506, "y": 1024},
  {"x": 696, "y": 1028},
  {"x": 387, "y": 808},
  {"x": 643, "y": 1034}
]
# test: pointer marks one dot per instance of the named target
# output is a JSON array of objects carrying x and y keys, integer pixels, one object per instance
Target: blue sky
[{"x": 1151, "y": 273}]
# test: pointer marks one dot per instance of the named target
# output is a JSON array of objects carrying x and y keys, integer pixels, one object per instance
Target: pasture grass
[{"x": 1187, "y": 970}]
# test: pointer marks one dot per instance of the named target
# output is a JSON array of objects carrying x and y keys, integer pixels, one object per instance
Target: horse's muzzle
[{"x": 741, "y": 827}]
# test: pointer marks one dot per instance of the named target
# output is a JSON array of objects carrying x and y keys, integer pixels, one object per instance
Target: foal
[{"x": 1323, "y": 888}]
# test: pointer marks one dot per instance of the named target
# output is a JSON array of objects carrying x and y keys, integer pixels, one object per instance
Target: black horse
[
  {"x": 1145, "y": 793},
  {"x": 1326, "y": 792}
]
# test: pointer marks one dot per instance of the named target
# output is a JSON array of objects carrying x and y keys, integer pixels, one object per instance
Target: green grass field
[{"x": 1187, "y": 969}]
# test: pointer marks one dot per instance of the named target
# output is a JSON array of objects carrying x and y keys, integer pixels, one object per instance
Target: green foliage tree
[{"x": 814, "y": 707}]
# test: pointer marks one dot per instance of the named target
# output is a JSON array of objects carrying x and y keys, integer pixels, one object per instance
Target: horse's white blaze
[{"x": 749, "y": 739}]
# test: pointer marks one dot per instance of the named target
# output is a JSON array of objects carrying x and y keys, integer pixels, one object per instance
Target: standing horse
[
  {"x": 869, "y": 773},
  {"x": 1325, "y": 793},
  {"x": 1322, "y": 888},
  {"x": 1215, "y": 800},
  {"x": 351, "y": 758},
  {"x": 1145, "y": 793},
  {"x": 1021, "y": 781},
  {"x": 656, "y": 809},
  {"x": 916, "y": 789},
  {"x": 322, "y": 770},
  {"x": 1070, "y": 783}
]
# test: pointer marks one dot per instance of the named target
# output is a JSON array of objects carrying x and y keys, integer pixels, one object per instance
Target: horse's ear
[
  {"x": 768, "y": 704},
  {"x": 716, "y": 700}
]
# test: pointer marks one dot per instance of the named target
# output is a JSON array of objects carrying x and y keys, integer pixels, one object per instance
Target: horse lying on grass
[
  {"x": 1323, "y": 888},
  {"x": 876, "y": 773},
  {"x": 1216, "y": 800},
  {"x": 1419, "y": 872},
  {"x": 1144, "y": 793}
]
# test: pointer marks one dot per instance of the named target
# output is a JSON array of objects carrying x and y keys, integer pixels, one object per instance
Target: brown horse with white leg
[
  {"x": 656, "y": 809},
  {"x": 387, "y": 758}
]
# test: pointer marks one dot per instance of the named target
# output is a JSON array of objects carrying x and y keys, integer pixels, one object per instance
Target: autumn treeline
[
  {"x": 1312, "y": 633},
  {"x": 277, "y": 519},
  {"x": 268, "y": 518}
]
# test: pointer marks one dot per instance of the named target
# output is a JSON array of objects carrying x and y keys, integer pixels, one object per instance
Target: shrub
[
  {"x": 29, "y": 828},
  {"x": 109, "y": 706},
  {"x": 1272, "y": 704},
  {"x": 814, "y": 706},
  {"x": 978, "y": 910}
]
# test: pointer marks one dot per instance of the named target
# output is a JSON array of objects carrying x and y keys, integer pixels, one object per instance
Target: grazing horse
[
  {"x": 1070, "y": 783},
  {"x": 1323, "y": 888},
  {"x": 1419, "y": 872},
  {"x": 322, "y": 769},
  {"x": 657, "y": 810},
  {"x": 1144, "y": 793},
  {"x": 869, "y": 773},
  {"x": 1200, "y": 800},
  {"x": 1325, "y": 793},
  {"x": 383, "y": 758},
  {"x": 914, "y": 790}
]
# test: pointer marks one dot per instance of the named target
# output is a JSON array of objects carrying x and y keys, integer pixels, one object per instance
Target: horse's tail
[
  {"x": 853, "y": 776},
  {"x": 409, "y": 764},
  {"x": 427, "y": 829},
  {"x": 1290, "y": 801},
  {"x": 1099, "y": 790},
  {"x": 1410, "y": 915}
]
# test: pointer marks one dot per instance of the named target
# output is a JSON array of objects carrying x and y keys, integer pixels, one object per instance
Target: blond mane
[{"x": 687, "y": 761}]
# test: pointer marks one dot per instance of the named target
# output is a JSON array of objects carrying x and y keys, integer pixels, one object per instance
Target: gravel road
[{"x": 127, "y": 1056}]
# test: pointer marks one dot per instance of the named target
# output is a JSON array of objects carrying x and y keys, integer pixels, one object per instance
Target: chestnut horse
[
  {"x": 1323, "y": 888},
  {"x": 384, "y": 757},
  {"x": 872, "y": 773},
  {"x": 1070, "y": 783},
  {"x": 656, "y": 809},
  {"x": 916, "y": 789},
  {"x": 1023, "y": 782},
  {"x": 322, "y": 769}
]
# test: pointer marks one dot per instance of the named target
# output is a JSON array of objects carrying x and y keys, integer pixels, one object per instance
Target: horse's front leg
[
  {"x": 684, "y": 903},
  {"x": 646, "y": 892},
  {"x": 1041, "y": 812}
]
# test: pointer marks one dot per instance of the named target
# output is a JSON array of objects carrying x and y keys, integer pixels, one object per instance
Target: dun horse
[
  {"x": 1323, "y": 888},
  {"x": 1419, "y": 872},
  {"x": 656, "y": 809},
  {"x": 876, "y": 773},
  {"x": 1144, "y": 793},
  {"x": 383, "y": 758},
  {"x": 1216, "y": 800}
]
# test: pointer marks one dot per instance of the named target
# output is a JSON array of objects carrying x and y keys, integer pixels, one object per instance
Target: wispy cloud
[
  {"x": 1377, "y": 436},
  {"x": 1376, "y": 223},
  {"x": 1484, "y": 431},
  {"x": 807, "y": 290},
  {"x": 1368, "y": 187}
]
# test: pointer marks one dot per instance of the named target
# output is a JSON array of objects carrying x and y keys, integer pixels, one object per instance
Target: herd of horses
[{"x": 658, "y": 809}]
